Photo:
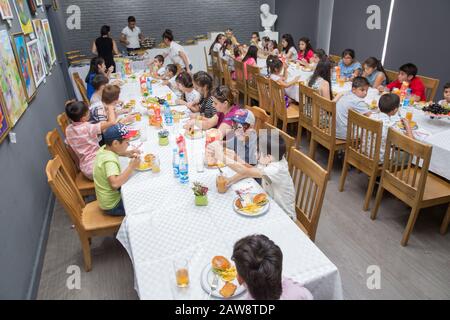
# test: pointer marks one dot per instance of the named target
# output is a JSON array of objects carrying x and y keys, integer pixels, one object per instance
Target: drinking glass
[
  {"x": 409, "y": 116},
  {"x": 181, "y": 267}
]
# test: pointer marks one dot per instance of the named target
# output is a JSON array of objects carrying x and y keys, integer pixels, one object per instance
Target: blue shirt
[
  {"x": 347, "y": 71},
  {"x": 90, "y": 88},
  {"x": 373, "y": 77}
]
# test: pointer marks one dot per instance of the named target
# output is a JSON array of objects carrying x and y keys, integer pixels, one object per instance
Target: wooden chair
[
  {"x": 57, "y": 148},
  {"x": 81, "y": 87},
  {"x": 260, "y": 115},
  {"x": 252, "y": 87},
  {"x": 264, "y": 98},
  {"x": 324, "y": 129},
  {"x": 216, "y": 67},
  {"x": 227, "y": 74},
  {"x": 208, "y": 66},
  {"x": 286, "y": 115},
  {"x": 305, "y": 111},
  {"x": 241, "y": 82},
  {"x": 63, "y": 122},
  {"x": 288, "y": 140},
  {"x": 335, "y": 59},
  {"x": 310, "y": 182},
  {"x": 363, "y": 150},
  {"x": 405, "y": 179},
  {"x": 89, "y": 220},
  {"x": 431, "y": 87},
  {"x": 392, "y": 75}
]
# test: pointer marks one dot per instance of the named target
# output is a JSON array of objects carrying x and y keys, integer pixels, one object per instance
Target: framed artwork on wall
[
  {"x": 13, "y": 92},
  {"x": 24, "y": 64},
  {"x": 39, "y": 3},
  {"x": 24, "y": 18},
  {"x": 35, "y": 55},
  {"x": 4, "y": 124},
  {"x": 32, "y": 7},
  {"x": 39, "y": 31},
  {"x": 49, "y": 40},
  {"x": 5, "y": 10}
]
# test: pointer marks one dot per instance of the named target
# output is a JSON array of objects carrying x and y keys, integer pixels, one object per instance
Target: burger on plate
[{"x": 223, "y": 268}]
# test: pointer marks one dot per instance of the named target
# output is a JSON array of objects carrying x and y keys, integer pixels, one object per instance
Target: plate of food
[
  {"x": 146, "y": 165},
  {"x": 134, "y": 134},
  {"x": 251, "y": 204},
  {"x": 224, "y": 271},
  {"x": 412, "y": 124},
  {"x": 436, "y": 110},
  {"x": 194, "y": 133},
  {"x": 307, "y": 69}
]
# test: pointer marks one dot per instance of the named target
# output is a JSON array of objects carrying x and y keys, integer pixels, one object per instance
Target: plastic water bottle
[
  {"x": 184, "y": 170},
  {"x": 168, "y": 115},
  {"x": 149, "y": 86},
  {"x": 407, "y": 99},
  {"x": 176, "y": 163}
]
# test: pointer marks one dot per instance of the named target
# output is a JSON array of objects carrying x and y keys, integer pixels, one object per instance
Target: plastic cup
[{"x": 181, "y": 268}]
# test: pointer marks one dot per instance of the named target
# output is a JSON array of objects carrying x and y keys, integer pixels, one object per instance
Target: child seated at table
[
  {"x": 157, "y": 67},
  {"x": 99, "y": 82},
  {"x": 110, "y": 99},
  {"x": 350, "y": 68},
  {"x": 108, "y": 178},
  {"x": 170, "y": 76},
  {"x": 203, "y": 84},
  {"x": 305, "y": 52},
  {"x": 272, "y": 168},
  {"x": 250, "y": 59},
  {"x": 82, "y": 136},
  {"x": 259, "y": 264},
  {"x": 319, "y": 55},
  {"x": 279, "y": 73},
  {"x": 185, "y": 85},
  {"x": 98, "y": 66},
  {"x": 374, "y": 72},
  {"x": 408, "y": 73},
  {"x": 321, "y": 80},
  {"x": 242, "y": 138},
  {"x": 446, "y": 101},
  {"x": 389, "y": 105},
  {"x": 351, "y": 100}
]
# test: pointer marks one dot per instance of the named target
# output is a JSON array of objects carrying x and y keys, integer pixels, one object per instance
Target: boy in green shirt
[{"x": 108, "y": 178}]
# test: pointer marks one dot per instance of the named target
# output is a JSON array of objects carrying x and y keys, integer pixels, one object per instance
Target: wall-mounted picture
[
  {"x": 11, "y": 86},
  {"x": 4, "y": 125},
  {"x": 49, "y": 40},
  {"x": 35, "y": 55},
  {"x": 55, "y": 5},
  {"x": 24, "y": 17},
  {"x": 5, "y": 10},
  {"x": 39, "y": 3},
  {"x": 24, "y": 64},
  {"x": 42, "y": 44},
  {"x": 32, "y": 7}
]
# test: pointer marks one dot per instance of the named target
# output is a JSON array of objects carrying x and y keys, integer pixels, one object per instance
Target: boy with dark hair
[
  {"x": 446, "y": 101},
  {"x": 170, "y": 76},
  {"x": 389, "y": 105},
  {"x": 99, "y": 82},
  {"x": 259, "y": 264},
  {"x": 82, "y": 136},
  {"x": 352, "y": 100},
  {"x": 408, "y": 73},
  {"x": 157, "y": 67},
  {"x": 108, "y": 178}
]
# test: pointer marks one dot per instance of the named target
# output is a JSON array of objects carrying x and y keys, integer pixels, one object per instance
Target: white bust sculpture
[{"x": 267, "y": 19}]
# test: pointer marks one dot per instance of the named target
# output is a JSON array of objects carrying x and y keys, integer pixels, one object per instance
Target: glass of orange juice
[
  {"x": 341, "y": 82},
  {"x": 138, "y": 116},
  {"x": 409, "y": 116},
  {"x": 169, "y": 97},
  {"x": 181, "y": 267}
]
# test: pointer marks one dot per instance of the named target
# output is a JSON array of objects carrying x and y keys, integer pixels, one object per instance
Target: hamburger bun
[
  {"x": 239, "y": 204},
  {"x": 228, "y": 290},
  {"x": 260, "y": 198},
  {"x": 220, "y": 263}
]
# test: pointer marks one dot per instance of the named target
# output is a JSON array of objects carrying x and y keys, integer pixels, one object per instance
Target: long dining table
[{"x": 163, "y": 224}]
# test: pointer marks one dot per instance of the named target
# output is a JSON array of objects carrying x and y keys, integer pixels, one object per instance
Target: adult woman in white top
[
  {"x": 289, "y": 50},
  {"x": 176, "y": 52}
]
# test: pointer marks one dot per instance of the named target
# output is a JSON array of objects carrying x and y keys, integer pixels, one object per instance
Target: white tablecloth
[{"x": 163, "y": 224}]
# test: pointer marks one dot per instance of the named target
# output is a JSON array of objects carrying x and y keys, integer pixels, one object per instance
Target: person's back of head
[
  {"x": 360, "y": 82},
  {"x": 270, "y": 142},
  {"x": 76, "y": 110},
  {"x": 259, "y": 262},
  {"x": 168, "y": 35},
  {"x": 99, "y": 81},
  {"x": 410, "y": 69},
  {"x": 185, "y": 79},
  {"x": 111, "y": 94},
  {"x": 203, "y": 79},
  {"x": 104, "y": 31},
  {"x": 276, "y": 66},
  {"x": 389, "y": 103}
]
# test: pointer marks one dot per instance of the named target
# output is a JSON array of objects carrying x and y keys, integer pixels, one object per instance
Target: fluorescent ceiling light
[{"x": 388, "y": 30}]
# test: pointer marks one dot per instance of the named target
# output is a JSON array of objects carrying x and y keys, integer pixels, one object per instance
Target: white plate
[
  {"x": 207, "y": 278},
  {"x": 261, "y": 212},
  {"x": 144, "y": 170}
]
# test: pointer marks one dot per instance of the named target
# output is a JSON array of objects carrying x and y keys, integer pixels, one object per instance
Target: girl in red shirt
[{"x": 306, "y": 51}]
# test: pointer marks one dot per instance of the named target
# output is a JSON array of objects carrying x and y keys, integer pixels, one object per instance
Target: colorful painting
[
  {"x": 32, "y": 7},
  {"x": 23, "y": 62},
  {"x": 35, "y": 55},
  {"x": 24, "y": 18},
  {"x": 5, "y": 10},
  {"x": 49, "y": 40},
  {"x": 11, "y": 86},
  {"x": 4, "y": 125},
  {"x": 42, "y": 44}
]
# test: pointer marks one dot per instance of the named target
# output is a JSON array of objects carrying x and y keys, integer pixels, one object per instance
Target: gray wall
[
  {"x": 349, "y": 28},
  {"x": 425, "y": 42},
  {"x": 325, "y": 20},
  {"x": 24, "y": 192},
  {"x": 299, "y": 18},
  {"x": 186, "y": 18}
]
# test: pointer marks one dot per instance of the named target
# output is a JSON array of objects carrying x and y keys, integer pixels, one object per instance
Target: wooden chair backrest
[
  {"x": 405, "y": 168},
  {"x": 431, "y": 87},
  {"x": 334, "y": 58},
  {"x": 226, "y": 72},
  {"x": 306, "y": 104},
  {"x": 324, "y": 120},
  {"x": 310, "y": 182},
  {"x": 63, "y": 122},
  {"x": 279, "y": 104},
  {"x": 206, "y": 59},
  {"x": 392, "y": 75},
  {"x": 56, "y": 147},
  {"x": 215, "y": 63},
  {"x": 65, "y": 190},
  {"x": 260, "y": 115},
  {"x": 265, "y": 100},
  {"x": 81, "y": 87},
  {"x": 288, "y": 140},
  {"x": 364, "y": 137},
  {"x": 239, "y": 70},
  {"x": 252, "y": 72}
]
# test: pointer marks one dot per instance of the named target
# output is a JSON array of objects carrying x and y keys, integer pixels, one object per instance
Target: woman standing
[
  {"x": 105, "y": 47},
  {"x": 176, "y": 52}
]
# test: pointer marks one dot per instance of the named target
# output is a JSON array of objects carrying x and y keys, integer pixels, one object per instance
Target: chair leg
[
  {"x": 285, "y": 124},
  {"x": 86, "y": 252},
  {"x": 410, "y": 226},
  {"x": 331, "y": 161},
  {"x": 380, "y": 192},
  {"x": 312, "y": 149},
  {"x": 343, "y": 176},
  {"x": 446, "y": 222},
  {"x": 370, "y": 188},
  {"x": 298, "y": 141}
]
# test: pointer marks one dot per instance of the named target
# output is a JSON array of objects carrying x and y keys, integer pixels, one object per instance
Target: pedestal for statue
[{"x": 271, "y": 34}]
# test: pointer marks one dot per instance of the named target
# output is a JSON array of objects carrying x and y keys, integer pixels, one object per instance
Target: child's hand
[
  {"x": 111, "y": 69},
  {"x": 165, "y": 82},
  {"x": 134, "y": 163}
]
